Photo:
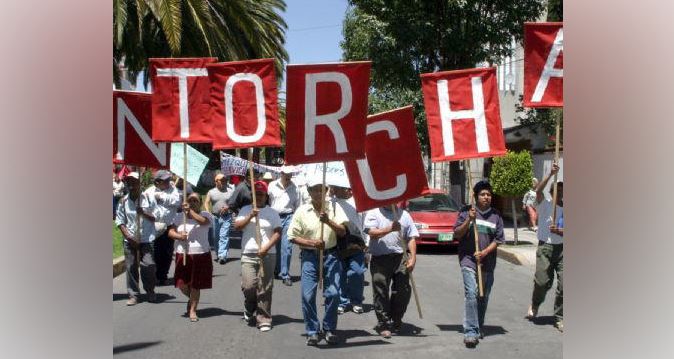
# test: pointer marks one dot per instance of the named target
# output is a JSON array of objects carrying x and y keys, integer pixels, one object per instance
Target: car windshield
[{"x": 434, "y": 202}]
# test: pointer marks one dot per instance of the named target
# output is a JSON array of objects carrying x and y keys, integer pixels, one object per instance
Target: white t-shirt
[
  {"x": 197, "y": 235},
  {"x": 544, "y": 210},
  {"x": 269, "y": 220}
]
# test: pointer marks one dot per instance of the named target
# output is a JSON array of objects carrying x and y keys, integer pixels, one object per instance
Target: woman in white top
[
  {"x": 257, "y": 291},
  {"x": 197, "y": 273}
]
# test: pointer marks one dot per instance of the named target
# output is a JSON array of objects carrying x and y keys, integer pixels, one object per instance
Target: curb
[
  {"x": 511, "y": 257},
  {"x": 118, "y": 266}
]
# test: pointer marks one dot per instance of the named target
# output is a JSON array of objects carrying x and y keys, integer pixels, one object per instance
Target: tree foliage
[
  {"x": 511, "y": 174},
  {"x": 405, "y": 38},
  {"x": 226, "y": 29}
]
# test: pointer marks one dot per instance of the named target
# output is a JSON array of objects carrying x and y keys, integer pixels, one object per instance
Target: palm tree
[{"x": 226, "y": 29}]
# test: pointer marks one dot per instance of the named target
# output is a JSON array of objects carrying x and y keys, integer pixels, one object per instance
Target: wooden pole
[
  {"x": 320, "y": 253},
  {"x": 404, "y": 247},
  {"x": 554, "y": 181},
  {"x": 137, "y": 234},
  {"x": 475, "y": 234},
  {"x": 186, "y": 246},
  {"x": 257, "y": 220}
]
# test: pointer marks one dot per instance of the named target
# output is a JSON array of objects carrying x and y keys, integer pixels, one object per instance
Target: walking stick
[
  {"x": 187, "y": 245},
  {"x": 404, "y": 246},
  {"x": 320, "y": 252},
  {"x": 477, "y": 242},
  {"x": 554, "y": 183},
  {"x": 257, "y": 219}
]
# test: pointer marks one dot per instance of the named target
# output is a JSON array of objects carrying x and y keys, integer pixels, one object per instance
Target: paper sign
[{"x": 196, "y": 162}]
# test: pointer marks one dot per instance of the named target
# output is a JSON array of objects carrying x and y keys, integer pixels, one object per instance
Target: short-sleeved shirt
[
  {"x": 283, "y": 200},
  {"x": 197, "y": 234},
  {"x": 355, "y": 226},
  {"x": 489, "y": 229},
  {"x": 306, "y": 224},
  {"x": 126, "y": 215},
  {"x": 269, "y": 220},
  {"x": 389, "y": 244},
  {"x": 529, "y": 198},
  {"x": 219, "y": 199},
  {"x": 544, "y": 210}
]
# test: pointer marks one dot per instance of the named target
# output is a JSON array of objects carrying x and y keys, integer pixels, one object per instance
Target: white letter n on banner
[
  {"x": 477, "y": 113},
  {"x": 259, "y": 105},
  {"x": 312, "y": 120},
  {"x": 182, "y": 75},
  {"x": 549, "y": 69},
  {"x": 124, "y": 113},
  {"x": 366, "y": 174}
]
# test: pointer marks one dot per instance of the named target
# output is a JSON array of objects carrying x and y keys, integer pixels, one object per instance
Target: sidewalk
[{"x": 525, "y": 251}]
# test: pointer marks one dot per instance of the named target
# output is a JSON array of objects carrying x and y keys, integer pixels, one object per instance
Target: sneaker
[
  {"x": 331, "y": 337},
  {"x": 470, "y": 342},
  {"x": 152, "y": 297},
  {"x": 288, "y": 282},
  {"x": 531, "y": 312},
  {"x": 222, "y": 260},
  {"x": 312, "y": 340},
  {"x": 395, "y": 327},
  {"x": 358, "y": 309},
  {"x": 248, "y": 318},
  {"x": 560, "y": 326},
  {"x": 132, "y": 301},
  {"x": 265, "y": 327},
  {"x": 340, "y": 310}
]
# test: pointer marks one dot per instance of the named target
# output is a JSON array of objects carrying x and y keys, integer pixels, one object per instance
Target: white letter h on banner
[{"x": 477, "y": 113}]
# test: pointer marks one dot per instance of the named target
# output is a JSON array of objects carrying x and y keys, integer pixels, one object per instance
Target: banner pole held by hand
[
  {"x": 187, "y": 245},
  {"x": 404, "y": 247},
  {"x": 475, "y": 234},
  {"x": 554, "y": 181},
  {"x": 257, "y": 220},
  {"x": 320, "y": 252}
]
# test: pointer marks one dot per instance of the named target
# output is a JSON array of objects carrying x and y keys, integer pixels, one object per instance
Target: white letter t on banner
[{"x": 182, "y": 75}]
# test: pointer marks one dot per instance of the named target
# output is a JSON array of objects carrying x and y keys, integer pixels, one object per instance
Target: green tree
[
  {"x": 511, "y": 176},
  {"x": 226, "y": 29},
  {"x": 405, "y": 38}
]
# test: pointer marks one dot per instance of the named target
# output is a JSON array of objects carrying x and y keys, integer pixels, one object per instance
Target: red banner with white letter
[
  {"x": 181, "y": 106},
  {"x": 392, "y": 170},
  {"x": 326, "y": 111},
  {"x": 544, "y": 64},
  {"x": 132, "y": 125},
  {"x": 463, "y": 114},
  {"x": 244, "y": 102}
]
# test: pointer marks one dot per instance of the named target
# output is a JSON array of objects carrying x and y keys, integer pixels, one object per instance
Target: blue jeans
[
  {"x": 284, "y": 249},
  {"x": 332, "y": 267},
  {"x": 352, "y": 277},
  {"x": 473, "y": 317},
  {"x": 221, "y": 234}
]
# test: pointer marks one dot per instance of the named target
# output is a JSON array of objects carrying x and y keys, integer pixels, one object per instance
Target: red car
[{"x": 434, "y": 214}]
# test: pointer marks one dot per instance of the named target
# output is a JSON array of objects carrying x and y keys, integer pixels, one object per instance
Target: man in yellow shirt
[{"x": 304, "y": 231}]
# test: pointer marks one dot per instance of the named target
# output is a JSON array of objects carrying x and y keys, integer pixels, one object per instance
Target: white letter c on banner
[{"x": 366, "y": 174}]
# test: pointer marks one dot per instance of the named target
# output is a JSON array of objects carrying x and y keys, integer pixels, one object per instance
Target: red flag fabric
[
  {"x": 383, "y": 178},
  {"x": 543, "y": 64},
  {"x": 132, "y": 125},
  {"x": 244, "y": 103},
  {"x": 463, "y": 114},
  {"x": 326, "y": 111},
  {"x": 181, "y": 100}
]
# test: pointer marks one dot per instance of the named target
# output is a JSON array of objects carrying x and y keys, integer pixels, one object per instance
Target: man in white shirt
[
  {"x": 549, "y": 255},
  {"x": 284, "y": 199}
]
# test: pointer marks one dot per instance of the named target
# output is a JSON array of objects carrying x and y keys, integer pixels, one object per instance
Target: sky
[{"x": 313, "y": 34}]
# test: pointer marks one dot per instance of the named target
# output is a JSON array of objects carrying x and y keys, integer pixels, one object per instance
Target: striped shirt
[{"x": 489, "y": 229}]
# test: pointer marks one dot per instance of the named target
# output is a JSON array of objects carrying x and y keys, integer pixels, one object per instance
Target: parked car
[{"x": 434, "y": 215}]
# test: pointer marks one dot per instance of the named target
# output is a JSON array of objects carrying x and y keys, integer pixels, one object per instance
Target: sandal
[{"x": 194, "y": 319}]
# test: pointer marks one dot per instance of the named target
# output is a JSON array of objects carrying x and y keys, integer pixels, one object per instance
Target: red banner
[
  {"x": 392, "y": 170},
  {"x": 244, "y": 101},
  {"x": 132, "y": 125},
  {"x": 463, "y": 114},
  {"x": 326, "y": 112},
  {"x": 543, "y": 64},
  {"x": 181, "y": 106}
]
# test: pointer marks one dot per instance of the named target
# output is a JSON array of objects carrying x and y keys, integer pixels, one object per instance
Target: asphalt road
[{"x": 161, "y": 331}]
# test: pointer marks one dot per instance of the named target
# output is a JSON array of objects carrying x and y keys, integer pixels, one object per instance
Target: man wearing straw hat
[
  {"x": 387, "y": 266},
  {"x": 549, "y": 255},
  {"x": 284, "y": 198},
  {"x": 304, "y": 231},
  {"x": 138, "y": 245},
  {"x": 490, "y": 235}
]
